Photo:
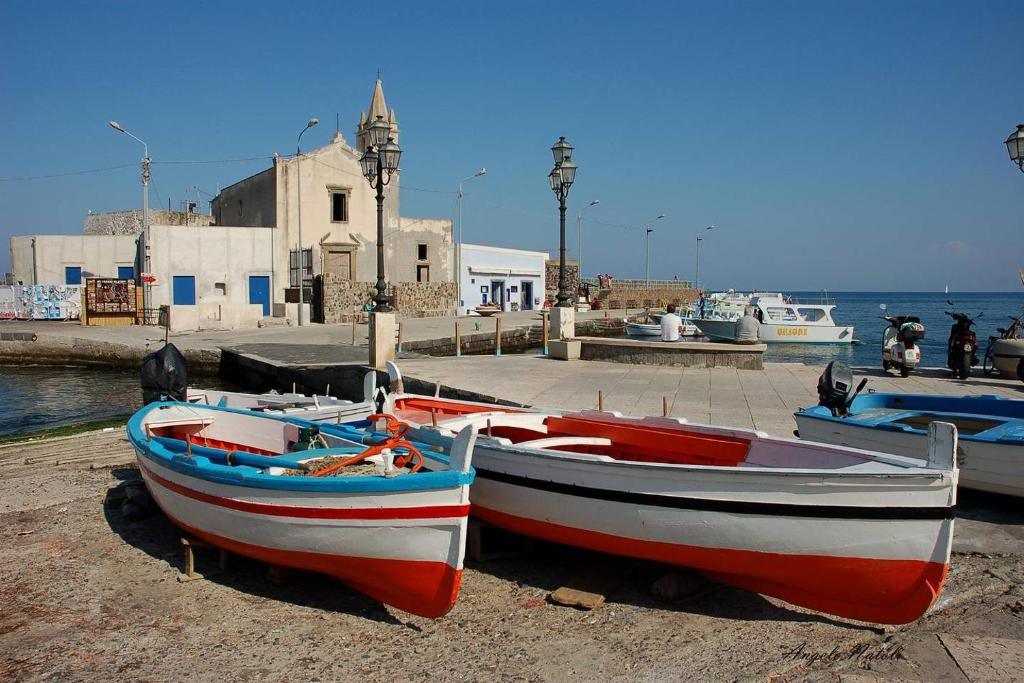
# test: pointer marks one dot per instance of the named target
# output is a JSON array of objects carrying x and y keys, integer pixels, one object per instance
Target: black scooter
[{"x": 962, "y": 346}]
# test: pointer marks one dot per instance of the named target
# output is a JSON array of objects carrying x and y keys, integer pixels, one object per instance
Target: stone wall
[
  {"x": 130, "y": 222},
  {"x": 572, "y": 278},
  {"x": 344, "y": 300},
  {"x": 654, "y": 298},
  {"x": 424, "y": 299}
]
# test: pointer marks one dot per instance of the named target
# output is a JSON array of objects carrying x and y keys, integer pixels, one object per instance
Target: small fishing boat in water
[
  {"x": 388, "y": 520},
  {"x": 852, "y": 533},
  {"x": 991, "y": 429}
]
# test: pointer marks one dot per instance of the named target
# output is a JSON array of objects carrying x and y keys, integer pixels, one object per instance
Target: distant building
[
  {"x": 250, "y": 264},
  {"x": 339, "y": 217},
  {"x": 511, "y": 278}
]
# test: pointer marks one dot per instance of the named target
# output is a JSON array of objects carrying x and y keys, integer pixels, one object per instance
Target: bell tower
[{"x": 378, "y": 107}]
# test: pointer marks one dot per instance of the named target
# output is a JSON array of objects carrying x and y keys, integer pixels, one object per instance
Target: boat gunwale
[{"x": 200, "y": 467}]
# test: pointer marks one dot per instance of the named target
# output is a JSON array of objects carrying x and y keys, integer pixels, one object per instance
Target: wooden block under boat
[{"x": 591, "y": 587}]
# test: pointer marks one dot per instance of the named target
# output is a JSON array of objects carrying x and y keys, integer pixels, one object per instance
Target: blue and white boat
[
  {"x": 991, "y": 428},
  {"x": 389, "y": 520}
]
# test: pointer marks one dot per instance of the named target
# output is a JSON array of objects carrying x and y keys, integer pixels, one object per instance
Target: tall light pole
[
  {"x": 647, "y": 249},
  {"x": 696, "y": 270},
  {"x": 1015, "y": 146},
  {"x": 302, "y": 254},
  {"x": 579, "y": 235},
  {"x": 380, "y": 158},
  {"x": 458, "y": 252},
  {"x": 146, "y": 163},
  {"x": 561, "y": 178}
]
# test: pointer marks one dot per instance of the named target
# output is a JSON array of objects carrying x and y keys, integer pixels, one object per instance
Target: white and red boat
[
  {"x": 853, "y": 533},
  {"x": 396, "y": 533}
]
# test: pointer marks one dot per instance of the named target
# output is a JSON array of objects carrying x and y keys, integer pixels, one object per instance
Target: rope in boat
[{"x": 395, "y": 440}]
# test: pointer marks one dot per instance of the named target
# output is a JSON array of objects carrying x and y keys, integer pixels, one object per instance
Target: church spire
[{"x": 378, "y": 107}]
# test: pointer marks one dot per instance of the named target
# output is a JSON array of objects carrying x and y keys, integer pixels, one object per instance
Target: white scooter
[{"x": 899, "y": 342}]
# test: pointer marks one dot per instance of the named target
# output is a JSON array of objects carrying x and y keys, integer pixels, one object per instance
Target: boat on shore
[
  {"x": 255, "y": 485},
  {"x": 991, "y": 429},
  {"x": 315, "y": 408},
  {"x": 853, "y": 533}
]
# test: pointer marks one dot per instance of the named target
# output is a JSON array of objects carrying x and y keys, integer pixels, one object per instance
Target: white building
[
  {"x": 69, "y": 259},
  {"x": 212, "y": 277},
  {"x": 511, "y": 278},
  {"x": 339, "y": 216}
]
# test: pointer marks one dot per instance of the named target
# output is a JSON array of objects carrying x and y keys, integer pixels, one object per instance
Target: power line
[
  {"x": 68, "y": 173},
  {"x": 216, "y": 161}
]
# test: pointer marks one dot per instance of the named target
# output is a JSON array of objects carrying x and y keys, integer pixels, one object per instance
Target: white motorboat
[{"x": 784, "y": 322}]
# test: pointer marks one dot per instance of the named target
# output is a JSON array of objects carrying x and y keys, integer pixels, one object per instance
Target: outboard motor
[
  {"x": 835, "y": 387},
  {"x": 164, "y": 375}
]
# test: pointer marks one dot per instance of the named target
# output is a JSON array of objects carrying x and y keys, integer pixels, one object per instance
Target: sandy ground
[{"x": 87, "y": 595}]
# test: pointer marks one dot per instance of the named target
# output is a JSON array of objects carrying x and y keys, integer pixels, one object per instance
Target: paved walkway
[
  {"x": 413, "y": 329},
  {"x": 758, "y": 399}
]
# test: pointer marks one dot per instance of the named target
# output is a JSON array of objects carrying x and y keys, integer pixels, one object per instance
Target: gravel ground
[{"x": 87, "y": 595}]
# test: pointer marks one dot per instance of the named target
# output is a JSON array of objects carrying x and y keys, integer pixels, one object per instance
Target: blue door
[
  {"x": 126, "y": 272},
  {"x": 259, "y": 291},
  {"x": 73, "y": 275},
  {"x": 184, "y": 290}
]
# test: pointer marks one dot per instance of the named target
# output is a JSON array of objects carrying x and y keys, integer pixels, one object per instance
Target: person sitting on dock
[
  {"x": 671, "y": 325},
  {"x": 748, "y": 328}
]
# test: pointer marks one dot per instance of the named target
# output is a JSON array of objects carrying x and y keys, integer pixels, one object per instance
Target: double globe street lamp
[
  {"x": 561, "y": 178},
  {"x": 380, "y": 164},
  {"x": 1015, "y": 146}
]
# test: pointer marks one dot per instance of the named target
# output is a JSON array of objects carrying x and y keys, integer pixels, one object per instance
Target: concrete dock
[{"x": 754, "y": 399}]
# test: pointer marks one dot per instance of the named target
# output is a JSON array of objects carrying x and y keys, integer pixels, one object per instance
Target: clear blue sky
[{"x": 839, "y": 145}]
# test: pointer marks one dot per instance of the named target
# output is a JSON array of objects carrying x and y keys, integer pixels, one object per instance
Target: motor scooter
[
  {"x": 899, "y": 342},
  {"x": 962, "y": 346}
]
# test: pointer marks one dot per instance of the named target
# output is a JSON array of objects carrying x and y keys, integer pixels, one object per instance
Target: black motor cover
[
  {"x": 164, "y": 375},
  {"x": 835, "y": 386}
]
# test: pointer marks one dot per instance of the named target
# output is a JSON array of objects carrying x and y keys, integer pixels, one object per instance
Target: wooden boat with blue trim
[
  {"x": 253, "y": 485},
  {"x": 853, "y": 533},
  {"x": 991, "y": 429}
]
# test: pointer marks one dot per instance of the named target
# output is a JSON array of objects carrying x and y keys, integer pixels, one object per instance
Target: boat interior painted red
[{"x": 627, "y": 442}]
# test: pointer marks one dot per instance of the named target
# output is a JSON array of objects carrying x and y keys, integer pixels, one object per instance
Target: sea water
[{"x": 860, "y": 309}]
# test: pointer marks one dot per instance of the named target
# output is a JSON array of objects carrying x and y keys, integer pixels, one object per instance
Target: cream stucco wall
[
  {"x": 316, "y": 174},
  {"x": 214, "y": 254},
  {"x": 96, "y": 255}
]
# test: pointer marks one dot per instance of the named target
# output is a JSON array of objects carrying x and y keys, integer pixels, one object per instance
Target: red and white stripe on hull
[
  {"x": 878, "y": 584},
  {"x": 404, "y": 549}
]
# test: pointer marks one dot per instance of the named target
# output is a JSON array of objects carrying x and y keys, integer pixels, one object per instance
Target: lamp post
[
  {"x": 1015, "y": 146},
  {"x": 696, "y": 270},
  {"x": 579, "y": 235},
  {"x": 458, "y": 252},
  {"x": 146, "y": 162},
  {"x": 561, "y": 178},
  {"x": 647, "y": 250},
  {"x": 380, "y": 158},
  {"x": 302, "y": 254}
]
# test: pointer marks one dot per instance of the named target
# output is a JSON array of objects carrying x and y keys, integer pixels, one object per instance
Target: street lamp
[
  {"x": 146, "y": 162},
  {"x": 381, "y": 157},
  {"x": 696, "y": 272},
  {"x": 561, "y": 178},
  {"x": 647, "y": 250},
  {"x": 579, "y": 235},
  {"x": 458, "y": 253},
  {"x": 1015, "y": 146},
  {"x": 302, "y": 255}
]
